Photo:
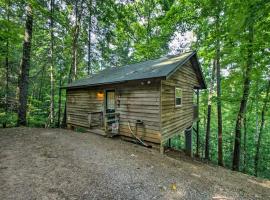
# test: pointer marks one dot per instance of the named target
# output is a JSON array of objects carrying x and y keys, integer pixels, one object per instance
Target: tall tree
[
  {"x": 258, "y": 145},
  {"x": 245, "y": 145},
  {"x": 25, "y": 67},
  {"x": 75, "y": 37},
  {"x": 246, "y": 88},
  {"x": 52, "y": 63},
  {"x": 7, "y": 69},
  {"x": 209, "y": 110},
  {"x": 218, "y": 32},
  {"x": 89, "y": 69}
]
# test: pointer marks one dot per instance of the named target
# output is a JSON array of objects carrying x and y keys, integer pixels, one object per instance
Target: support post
[
  {"x": 161, "y": 149},
  {"x": 188, "y": 141},
  {"x": 197, "y": 124},
  {"x": 169, "y": 143}
]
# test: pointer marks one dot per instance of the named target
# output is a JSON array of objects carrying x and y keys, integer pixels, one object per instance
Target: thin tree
[
  {"x": 59, "y": 101},
  {"x": 245, "y": 145},
  {"x": 52, "y": 63},
  {"x": 258, "y": 145},
  {"x": 209, "y": 110},
  {"x": 89, "y": 69},
  {"x": 7, "y": 70},
  {"x": 219, "y": 114},
  {"x": 75, "y": 37},
  {"x": 245, "y": 96},
  {"x": 25, "y": 67}
]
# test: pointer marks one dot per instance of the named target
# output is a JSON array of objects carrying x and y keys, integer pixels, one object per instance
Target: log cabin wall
[
  {"x": 82, "y": 101},
  {"x": 175, "y": 120},
  {"x": 135, "y": 100},
  {"x": 140, "y": 102}
]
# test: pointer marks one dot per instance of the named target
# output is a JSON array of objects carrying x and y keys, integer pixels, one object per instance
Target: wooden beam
[
  {"x": 188, "y": 142},
  {"x": 197, "y": 124}
]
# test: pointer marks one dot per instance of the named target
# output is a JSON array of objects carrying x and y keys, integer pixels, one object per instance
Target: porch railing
[
  {"x": 95, "y": 119},
  {"x": 111, "y": 123}
]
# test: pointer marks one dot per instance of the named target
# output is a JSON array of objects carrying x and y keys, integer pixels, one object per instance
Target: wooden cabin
[{"x": 153, "y": 100}]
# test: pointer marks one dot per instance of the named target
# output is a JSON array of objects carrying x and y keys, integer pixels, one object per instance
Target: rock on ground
[{"x": 62, "y": 164}]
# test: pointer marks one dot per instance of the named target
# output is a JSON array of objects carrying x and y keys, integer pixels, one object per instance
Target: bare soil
[{"x": 62, "y": 164}]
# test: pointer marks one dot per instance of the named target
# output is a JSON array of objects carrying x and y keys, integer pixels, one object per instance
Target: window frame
[{"x": 178, "y": 105}]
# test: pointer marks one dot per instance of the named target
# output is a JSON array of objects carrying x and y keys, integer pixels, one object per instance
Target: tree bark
[
  {"x": 89, "y": 69},
  {"x": 245, "y": 145},
  {"x": 7, "y": 72},
  {"x": 73, "y": 68},
  {"x": 25, "y": 67},
  {"x": 198, "y": 126},
  {"x": 59, "y": 102},
  {"x": 243, "y": 104},
  {"x": 52, "y": 66},
  {"x": 209, "y": 110},
  {"x": 219, "y": 113},
  {"x": 76, "y": 31},
  {"x": 258, "y": 145}
]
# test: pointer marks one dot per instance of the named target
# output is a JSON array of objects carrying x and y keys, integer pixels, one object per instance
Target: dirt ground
[{"x": 62, "y": 164}]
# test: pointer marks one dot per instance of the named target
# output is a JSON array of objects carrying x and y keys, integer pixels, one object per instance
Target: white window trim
[{"x": 177, "y": 106}]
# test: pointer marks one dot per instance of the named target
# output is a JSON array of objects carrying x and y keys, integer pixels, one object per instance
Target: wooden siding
[
  {"x": 80, "y": 102},
  {"x": 134, "y": 101},
  {"x": 139, "y": 102},
  {"x": 175, "y": 120}
]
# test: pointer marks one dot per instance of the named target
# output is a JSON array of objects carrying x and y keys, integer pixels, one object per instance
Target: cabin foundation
[{"x": 188, "y": 142}]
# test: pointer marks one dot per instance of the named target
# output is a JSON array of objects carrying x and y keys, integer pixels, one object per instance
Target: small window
[{"x": 178, "y": 97}]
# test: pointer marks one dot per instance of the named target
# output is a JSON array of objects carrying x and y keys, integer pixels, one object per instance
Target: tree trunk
[
  {"x": 40, "y": 96},
  {"x": 243, "y": 104},
  {"x": 89, "y": 69},
  {"x": 245, "y": 145},
  {"x": 25, "y": 66},
  {"x": 258, "y": 145},
  {"x": 52, "y": 66},
  {"x": 198, "y": 127},
  {"x": 59, "y": 102},
  {"x": 73, "y": 68},
  {"x": 209, "y": 110},
  {"x": 219, "y": 114},
  {"x": 7, "y": 73}
]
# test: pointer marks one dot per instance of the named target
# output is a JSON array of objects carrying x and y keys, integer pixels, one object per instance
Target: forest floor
[{"x": 62, "y": 164}]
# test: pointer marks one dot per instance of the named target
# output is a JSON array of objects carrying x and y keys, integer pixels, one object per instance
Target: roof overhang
[{"x": 110, "y": 83}]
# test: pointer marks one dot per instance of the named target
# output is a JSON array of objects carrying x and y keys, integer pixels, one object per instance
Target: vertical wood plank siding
[{"x": 176, "y": 120}]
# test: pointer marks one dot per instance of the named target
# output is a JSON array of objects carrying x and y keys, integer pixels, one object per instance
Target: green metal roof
[{"x": 162, "y": 67}]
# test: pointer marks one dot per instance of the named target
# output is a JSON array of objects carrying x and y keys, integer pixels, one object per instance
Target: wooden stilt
[
  {"x": 188, "y": 142},
  {"x": 197, "y": 127},
  {"x": 161, "y": 149}
]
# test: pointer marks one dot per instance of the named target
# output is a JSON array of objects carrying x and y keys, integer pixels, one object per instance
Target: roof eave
[{"x": 109, "y": 83}]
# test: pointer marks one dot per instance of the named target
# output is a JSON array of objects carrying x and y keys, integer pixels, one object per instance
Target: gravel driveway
[{"x": 62, "y": 164}]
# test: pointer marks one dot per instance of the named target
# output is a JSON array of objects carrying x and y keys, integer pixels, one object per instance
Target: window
[{"x": 178, "y": 97}]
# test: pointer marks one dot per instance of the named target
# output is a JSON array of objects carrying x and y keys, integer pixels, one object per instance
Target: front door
[{"x": 110, "y": 101}]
